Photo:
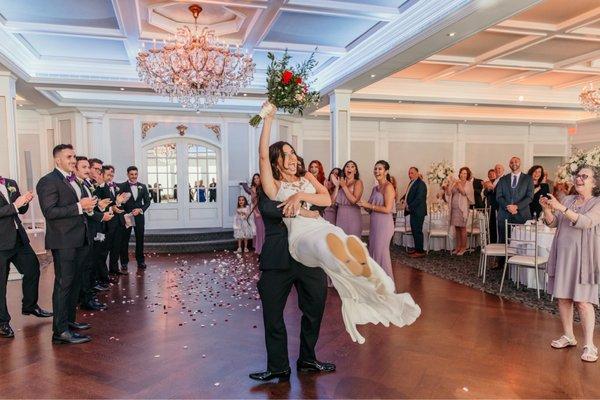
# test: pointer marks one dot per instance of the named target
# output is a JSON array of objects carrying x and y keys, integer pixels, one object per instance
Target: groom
[{"x": 279, "y": 272}]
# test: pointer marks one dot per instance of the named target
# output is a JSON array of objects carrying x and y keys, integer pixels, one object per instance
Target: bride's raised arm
[{"x": 266, "y": 174}]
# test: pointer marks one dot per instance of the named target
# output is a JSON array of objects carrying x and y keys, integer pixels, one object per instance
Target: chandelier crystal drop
[
  {"x": 195, "y": 68},
  {"x": 590, "y": 99}
]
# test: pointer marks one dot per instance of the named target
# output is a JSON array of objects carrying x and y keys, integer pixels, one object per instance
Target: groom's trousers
[{"x": 274, "y": 287}]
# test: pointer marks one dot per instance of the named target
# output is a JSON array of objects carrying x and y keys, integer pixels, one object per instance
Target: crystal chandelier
[
  {"x": 195, "y": 68},
  {"x": 590, "y": 99}
]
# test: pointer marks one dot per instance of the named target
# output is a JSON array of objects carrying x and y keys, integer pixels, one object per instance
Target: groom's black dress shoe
[
  {"x": 68, "y": 337},
  {"x": 6, "y": 331},
  {"x": 314, "y": 366},
  {"x": 268, "y": 375},
  {"x": 79, "y": 325},
  {"x": 38, "y": 312}
]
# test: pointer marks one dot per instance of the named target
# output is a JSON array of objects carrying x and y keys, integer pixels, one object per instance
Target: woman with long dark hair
[
  {"x": 380, "y": 206},
  {"x": 540, "y": 189},
  {"x": 367, "y": 292},
  {"x": 333, "y": 185},
  {"x": 350, "y": 193}
]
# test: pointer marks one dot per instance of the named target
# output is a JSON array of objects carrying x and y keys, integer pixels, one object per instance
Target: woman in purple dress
[
  {"x": 333, "y": 185},
  {"x": 252, "y": 190},
  {"x": 380, "y": 206},
  {"x": 574, "y": 262},
  {"x": 349, "y": 194}
]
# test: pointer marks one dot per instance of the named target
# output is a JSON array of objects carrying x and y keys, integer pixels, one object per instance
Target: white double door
[{"x": 179, "y": 173}]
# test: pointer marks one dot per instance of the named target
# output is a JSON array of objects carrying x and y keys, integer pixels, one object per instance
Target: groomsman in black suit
[
  {"x": 136, "y": 205},
  {"x": 115, "y": 228},
  {"x": 514, "y": 193},
  {"x": 416, "y": 207},
  {"x": 65, "y": 206},
  {"x": 15, "y": 248},
  {"x": 96, "y": 235},
  {"x": 279, "y": 272}
]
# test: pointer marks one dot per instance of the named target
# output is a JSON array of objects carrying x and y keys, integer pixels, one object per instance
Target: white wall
[
  {"x": 410, "y": 143},
  {"x": 587, "y": 135}
]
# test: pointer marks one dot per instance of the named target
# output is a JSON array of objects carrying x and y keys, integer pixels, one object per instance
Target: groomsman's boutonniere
[
  {"x": 117, "y": 189},
  {"x": 139, "y": 187},
  {"x": 11, "y": 189}
]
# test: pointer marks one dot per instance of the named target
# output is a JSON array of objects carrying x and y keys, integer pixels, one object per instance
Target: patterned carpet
[{"x": 463, "y": 270}]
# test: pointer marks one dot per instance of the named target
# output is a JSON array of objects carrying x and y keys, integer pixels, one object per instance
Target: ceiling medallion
[
  {"x": 590, "y": 99},
  {"x": 195, "y": 68}
]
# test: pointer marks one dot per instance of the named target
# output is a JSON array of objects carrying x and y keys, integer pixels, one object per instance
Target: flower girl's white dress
[{"x": 364, "y": 300}]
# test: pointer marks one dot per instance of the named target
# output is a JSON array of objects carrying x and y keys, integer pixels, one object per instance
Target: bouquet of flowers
[
  {"x": 439, "y": 172},
  {"x": 287, "y": 87},
  {"x": 578, "y": 159}
]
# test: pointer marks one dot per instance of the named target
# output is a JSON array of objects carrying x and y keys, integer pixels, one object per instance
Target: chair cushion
[
  {"x": 528, "y": 261},
  {"x": 494, "y": 249},
  {"x": 402, "y": 229},
  {"x": 438, "y": 232}
]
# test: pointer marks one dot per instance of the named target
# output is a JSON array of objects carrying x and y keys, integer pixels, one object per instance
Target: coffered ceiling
[
  {"x": 539, "y": 58},
  {"x": 79, "y": 53}
]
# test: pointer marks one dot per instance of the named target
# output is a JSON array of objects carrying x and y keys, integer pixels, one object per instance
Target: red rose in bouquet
[
  {"x": 286, "y": 77},
  {"x": 287, "y": 88}
]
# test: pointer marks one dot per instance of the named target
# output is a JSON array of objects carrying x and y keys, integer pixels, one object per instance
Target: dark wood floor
[{"x": 187, "y": 329}]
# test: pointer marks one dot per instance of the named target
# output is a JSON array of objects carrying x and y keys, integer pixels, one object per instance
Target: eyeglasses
[{"x": 582, "y": 176}]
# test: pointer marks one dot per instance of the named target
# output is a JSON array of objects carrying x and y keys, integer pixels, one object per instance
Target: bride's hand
[
  {"x": 291, "y": 205},
  {"x": 269, "y": 110}
]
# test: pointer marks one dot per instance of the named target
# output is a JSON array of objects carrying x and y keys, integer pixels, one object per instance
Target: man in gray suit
[{"x": 514, "y": 193}]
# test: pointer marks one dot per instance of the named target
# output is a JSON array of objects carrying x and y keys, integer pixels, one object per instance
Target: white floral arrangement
[
  {"x": 578, "y": 159},
  {"x": 439, "y": 172}
]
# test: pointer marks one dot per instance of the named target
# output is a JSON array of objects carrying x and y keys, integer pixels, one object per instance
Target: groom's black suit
[{"x": 279, "y": 272}]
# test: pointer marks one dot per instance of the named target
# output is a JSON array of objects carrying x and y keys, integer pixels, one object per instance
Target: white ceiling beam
[
  {"x": 127, "y": 12},
  {"x": 263, "y": 23},
  {"x": 446, "y": 72},
  {"x": 514, "y": 78},
  {"x": 343, "y": 8},
  {"x": 580, "y": 20},
  {"x": 578, "y": 82},
  {"x": 64, "y": 30},
  {"x": 582, "y": 58},
  {"x": 302, "y": 48}
]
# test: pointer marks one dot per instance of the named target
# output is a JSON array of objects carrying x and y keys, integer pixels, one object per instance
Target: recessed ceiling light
[
  {"x": 545, "y": 107},
  {"x": 245, "y": 94},
  {"x": 399, "y": 101},
  {"x": 475, "y": 104},
  {"x": 521, "y": 98},
  {"x": 394, "y": 118},
  {"x": 122, "y": 88},
  {"x": 451, "y": 34},
  {"x": 373, "y": 75},
  {"x": 465, "y": 121}
]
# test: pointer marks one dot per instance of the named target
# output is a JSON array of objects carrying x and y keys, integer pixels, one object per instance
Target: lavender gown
[
  {"x": 348, "y": 215},
  {"x": 330, "y": 214},
  {"x": 381, "y": 233},
  {"x": 259, "y": 239}
]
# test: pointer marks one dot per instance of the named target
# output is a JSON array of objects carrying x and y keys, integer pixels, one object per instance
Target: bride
[{"x": 367, "y": 292}]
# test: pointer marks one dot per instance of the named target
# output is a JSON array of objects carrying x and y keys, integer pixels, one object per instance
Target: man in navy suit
[
  {"x": 514, "y": 193},
  {"x": 416, "y": 207}
]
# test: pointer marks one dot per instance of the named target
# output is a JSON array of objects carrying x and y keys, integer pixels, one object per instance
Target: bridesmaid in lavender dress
[
  {"x": 333, "y": 185},
  {"x": 351, "y": 190},
  {"x": 380, "y": 206},
  {"x": 252, "y": 190}
]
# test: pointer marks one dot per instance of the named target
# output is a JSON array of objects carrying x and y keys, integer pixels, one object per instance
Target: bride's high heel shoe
[
  {"x": 338, "y": 249},
  {"x": 358, "y": 251}
]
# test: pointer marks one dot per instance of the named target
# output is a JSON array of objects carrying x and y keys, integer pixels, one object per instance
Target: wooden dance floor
[{"x": 191, "y": 327}]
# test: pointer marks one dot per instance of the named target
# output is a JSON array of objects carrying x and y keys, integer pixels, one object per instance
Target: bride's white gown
[{"x": 364, "y": 300}]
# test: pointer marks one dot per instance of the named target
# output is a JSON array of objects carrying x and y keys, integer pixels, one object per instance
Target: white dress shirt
[{"x": 512, "y": 175}]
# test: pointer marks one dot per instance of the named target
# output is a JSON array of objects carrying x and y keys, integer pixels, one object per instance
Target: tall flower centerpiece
[
  {"x": 439, "y": 172},
  {"x": 578, "y": 159},
  {"x": 288, "y": 88}
]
